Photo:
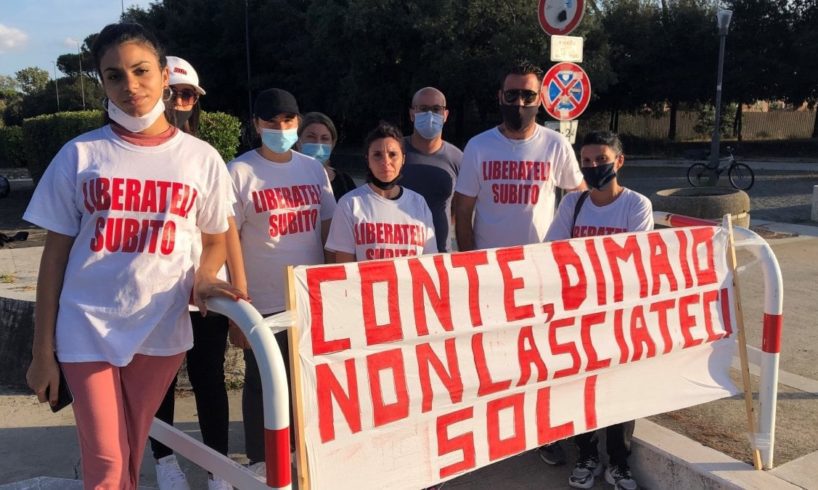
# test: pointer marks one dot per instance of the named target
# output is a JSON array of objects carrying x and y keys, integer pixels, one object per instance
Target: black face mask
[
  {"x": 370, "y": 177},
  {"x": 599, "y": 176},
  {"x": 181, "y": 117},
  {"x": 518, "y": 117}
]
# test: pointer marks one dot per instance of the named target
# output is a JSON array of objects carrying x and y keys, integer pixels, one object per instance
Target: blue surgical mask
[
  {"x": 429, "y": 124},
  {"x": 279, "y": 140},
  {"x": 319, "y": 151}
]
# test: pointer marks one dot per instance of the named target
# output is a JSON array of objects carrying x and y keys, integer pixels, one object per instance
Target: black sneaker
[
  {"x": 620, "y": 477},
  {"x": 552, "y": 454},
  {"x": 584, "y": 472}
]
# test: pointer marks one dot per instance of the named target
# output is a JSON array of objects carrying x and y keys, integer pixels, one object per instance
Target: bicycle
[{"x": 740, "y": 175}]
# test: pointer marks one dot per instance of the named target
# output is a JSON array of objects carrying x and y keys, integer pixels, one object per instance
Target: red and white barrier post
[
  {"x": 772, "y": 325},
  {"x": 276, "y": 409}
]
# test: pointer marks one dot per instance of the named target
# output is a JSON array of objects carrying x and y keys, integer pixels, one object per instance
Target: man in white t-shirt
[{"x": 509, "y": 173}]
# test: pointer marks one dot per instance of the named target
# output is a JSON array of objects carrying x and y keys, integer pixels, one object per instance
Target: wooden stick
[
  {"x": 295, "y": 388},
  {"x": 742, "y": 345}
]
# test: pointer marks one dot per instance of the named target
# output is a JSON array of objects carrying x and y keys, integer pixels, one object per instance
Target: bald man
[{"x": 432, "y": 164}]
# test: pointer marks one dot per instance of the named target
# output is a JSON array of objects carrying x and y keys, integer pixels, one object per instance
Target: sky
[{"x": 36, "y": 32}]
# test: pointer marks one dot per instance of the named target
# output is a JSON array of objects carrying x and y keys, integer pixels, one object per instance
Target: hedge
[
  {"x": 11, "y": 147},
  {"x": 43, "y": 136},
  {"x": 222, "y": 131}
]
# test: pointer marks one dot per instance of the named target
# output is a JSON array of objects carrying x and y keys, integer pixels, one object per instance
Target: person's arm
[
  {"x": 341, "y": 257},
  {"x": 329, "y": 256},
  {"x": 464, "y": 231},
  {"x": 207, "y": 285},
  {"x": 43, "y": 372},
  {"x": 238, "y": 277}
]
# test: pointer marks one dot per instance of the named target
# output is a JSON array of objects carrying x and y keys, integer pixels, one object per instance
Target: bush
[
  {"x": 43, "y": 136},
  {"x": 222, "y": 131},
  {"x": 11, "y": 147}
]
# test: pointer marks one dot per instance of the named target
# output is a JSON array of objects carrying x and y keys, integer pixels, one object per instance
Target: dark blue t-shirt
[{"x": 433, "y": 177}]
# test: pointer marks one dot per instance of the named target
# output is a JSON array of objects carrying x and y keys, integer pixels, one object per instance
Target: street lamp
[
  {"x": 56, "y": 85},
  {"x": 723, "y": 18},
  {"x": 82, "y": 86}
]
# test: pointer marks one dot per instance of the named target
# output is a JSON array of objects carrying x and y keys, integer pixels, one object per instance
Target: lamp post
[
  {"x": 82, "y": 86},
  {"x": 56, "y": 85},
  {"x": 723, "y": 19}
]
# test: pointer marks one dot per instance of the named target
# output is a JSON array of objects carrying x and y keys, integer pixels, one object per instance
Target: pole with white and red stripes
[{"x": 772, "y": 325}]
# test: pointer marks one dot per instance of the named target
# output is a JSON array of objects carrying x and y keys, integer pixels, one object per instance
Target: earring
[{"x": 169, "y": 92}]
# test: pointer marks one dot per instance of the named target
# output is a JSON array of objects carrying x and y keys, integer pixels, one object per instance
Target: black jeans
[
  {"x": 618, "y": 443},
  {"x": 252, "y": 401},
  {"x": 205, "y": 367}
]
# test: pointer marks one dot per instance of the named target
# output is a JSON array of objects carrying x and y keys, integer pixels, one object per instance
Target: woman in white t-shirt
[
  {"x": 205, "y": 360},
  {"x": 283, "y": 207},
  {"x": 606, "y": 209},
  {"x": 380, "y": 219},
  {"x": 122, "y": 205}
]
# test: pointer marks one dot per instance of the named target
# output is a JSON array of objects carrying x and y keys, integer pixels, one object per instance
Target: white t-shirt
[
  {"x": 629, "y": 212},
  {"x": 514, "y": 183},
  {"x": 279, "y": 209},
  {"x": 134, "y": 213},
  {"x": 373, "y": 227}
]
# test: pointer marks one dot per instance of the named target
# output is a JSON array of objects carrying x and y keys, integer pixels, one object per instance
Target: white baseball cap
[{"x": 182, "y": 72}]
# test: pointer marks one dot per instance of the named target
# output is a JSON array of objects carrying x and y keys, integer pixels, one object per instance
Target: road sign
[
  {"x": 565, "y": 91},
  {"x": 566, "y": 48},
  {"x": 560, "y": 17}
]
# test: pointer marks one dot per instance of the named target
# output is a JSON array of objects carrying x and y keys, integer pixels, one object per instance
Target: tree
[{"x": 32, "y": 79}]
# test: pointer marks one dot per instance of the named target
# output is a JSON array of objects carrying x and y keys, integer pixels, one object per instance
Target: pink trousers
[{"x": 114, "y": 408}]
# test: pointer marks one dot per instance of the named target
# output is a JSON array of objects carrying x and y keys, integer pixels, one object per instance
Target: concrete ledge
[{"x": 664, "y": 459}]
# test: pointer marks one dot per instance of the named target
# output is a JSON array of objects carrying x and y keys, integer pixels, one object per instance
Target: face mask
[
  {"x": 429, "y": 124},
  {"x": 181, "y": 117},
  {"x": 279, "y": 141},
  {"x": 599, "y": 176},
  {"x": 370, "y": 177},
  {"x": 518, "y": 117},
  {"x": 135, "y": 124},
  {"x": 319, "y": 151}
]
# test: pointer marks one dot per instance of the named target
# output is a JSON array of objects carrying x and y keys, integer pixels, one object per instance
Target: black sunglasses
[
  {"x": 186, "y": 96},
  {"x": 511, "y": 96}
]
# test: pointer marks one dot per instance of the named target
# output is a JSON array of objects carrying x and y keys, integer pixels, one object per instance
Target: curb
[{"x": 665, "y": 459}]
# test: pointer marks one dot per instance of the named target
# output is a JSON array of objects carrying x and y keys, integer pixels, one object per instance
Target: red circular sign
[
  {"x": 565, "y": 91},
  {"x": 560, "y": 17}
]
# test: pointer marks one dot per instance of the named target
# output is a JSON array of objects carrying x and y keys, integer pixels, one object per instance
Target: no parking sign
[{"x": 565, "y": 91}]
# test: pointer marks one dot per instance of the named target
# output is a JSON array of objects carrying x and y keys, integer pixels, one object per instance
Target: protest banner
[{"x": 414, "y": 371}]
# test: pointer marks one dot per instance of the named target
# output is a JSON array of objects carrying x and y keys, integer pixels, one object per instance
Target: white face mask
[{"x": 135, "y": 124}]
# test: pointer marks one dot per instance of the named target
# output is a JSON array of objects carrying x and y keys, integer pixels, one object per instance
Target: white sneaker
[
  {"x": 260, "y": 470},
  {"x": 168, "y": 474},
  {"x": 216, "y": 483}
]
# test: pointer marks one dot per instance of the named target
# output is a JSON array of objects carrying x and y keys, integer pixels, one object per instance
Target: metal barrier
[
  {"x": 772, "y": 325},
  {"x": 276, "y": 409},
  {"x": 260, "y": 334}
]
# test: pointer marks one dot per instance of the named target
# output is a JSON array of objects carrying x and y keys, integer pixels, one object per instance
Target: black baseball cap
[{"x": 272, "y": 102}]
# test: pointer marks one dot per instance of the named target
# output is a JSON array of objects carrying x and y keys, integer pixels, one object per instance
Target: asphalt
[{"x": 38, "y": 449}]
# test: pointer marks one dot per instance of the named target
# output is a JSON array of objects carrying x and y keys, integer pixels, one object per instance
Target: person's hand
[
  {"x": 44, "y": 374},
  {"x": 237, "y": 337},
  {"x": 207, "y": 287}
]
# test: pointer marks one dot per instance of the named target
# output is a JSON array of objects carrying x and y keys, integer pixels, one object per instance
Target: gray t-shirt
[{"x": 433, "y": 177}]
